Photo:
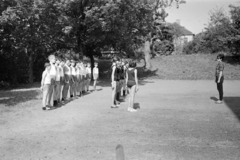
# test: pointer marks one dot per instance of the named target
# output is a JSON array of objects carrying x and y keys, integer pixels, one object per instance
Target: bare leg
[
  {"x": 114, "y": 90},
  {"x": 94, "y": 84},
  {"x": 132, "y": 91}
]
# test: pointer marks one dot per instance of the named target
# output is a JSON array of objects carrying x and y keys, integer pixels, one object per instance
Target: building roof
[{"x": 180, "y": 30}]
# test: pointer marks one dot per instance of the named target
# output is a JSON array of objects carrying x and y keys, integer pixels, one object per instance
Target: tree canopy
[{"x": 30, "y": 30}]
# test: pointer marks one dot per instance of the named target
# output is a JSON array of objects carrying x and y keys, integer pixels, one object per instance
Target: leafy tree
[
  {"x": 221, "y": 35},
  {"x": 235, "y": 39}
]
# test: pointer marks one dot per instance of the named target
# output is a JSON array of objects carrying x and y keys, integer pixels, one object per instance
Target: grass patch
[
  {"x": 180, "y": 67},
  {"x": 192, "y": 67}
]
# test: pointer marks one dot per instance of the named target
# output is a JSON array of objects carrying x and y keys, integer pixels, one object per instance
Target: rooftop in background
[
  {"x": 194, "y": 15},
  {"x": 181, "y": 30}
]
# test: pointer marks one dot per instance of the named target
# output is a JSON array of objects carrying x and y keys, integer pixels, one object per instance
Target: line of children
[
  {"x": 118, "y": 78},
  {"x": 62, "y": 78}
]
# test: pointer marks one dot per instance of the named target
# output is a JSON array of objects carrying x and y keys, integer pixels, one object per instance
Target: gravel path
[{"x": 177, "y": 120}]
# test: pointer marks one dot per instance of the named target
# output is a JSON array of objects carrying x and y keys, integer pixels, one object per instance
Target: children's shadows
[
  {"x": 136, "y": 106},
  {"x": 233, "y": 103},
  {"x": 143, "y": 73},
  {"x": 14, "y": 97}
]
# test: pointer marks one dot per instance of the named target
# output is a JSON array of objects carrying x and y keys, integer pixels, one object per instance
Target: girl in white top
[
  {"x": 88, "y": 70},
  {"x": 56, "y": 95},
  {"x": 95, "y": 75},
  {"x": 61, "y": 66},
  {"x": 73, "y": 87},
  {"x": 81, "y": 70},
  {"x": 46, "y": 86}
]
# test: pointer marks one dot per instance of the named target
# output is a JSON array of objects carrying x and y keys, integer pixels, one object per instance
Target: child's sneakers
[
  {"x": 114, "y": 106},
  {"x": 131, "y": 110},
  {"x": 46, "y": 108}
]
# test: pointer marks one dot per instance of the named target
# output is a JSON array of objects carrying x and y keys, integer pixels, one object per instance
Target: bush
[{"x": 4, "y": 85}]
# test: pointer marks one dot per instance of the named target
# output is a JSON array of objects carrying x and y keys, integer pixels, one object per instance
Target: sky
[{"x": 194, "y": 14}]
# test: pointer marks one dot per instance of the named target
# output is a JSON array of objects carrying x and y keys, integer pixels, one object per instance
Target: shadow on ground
[
  {"x": 234, "y": 104},
  {"x": 136, "y": 106},
  {"x": 143, "y": 73},
  {"x": 14, "y": 97}
]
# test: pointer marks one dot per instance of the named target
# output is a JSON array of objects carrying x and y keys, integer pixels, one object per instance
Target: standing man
[{"x": 220, "y": 77}]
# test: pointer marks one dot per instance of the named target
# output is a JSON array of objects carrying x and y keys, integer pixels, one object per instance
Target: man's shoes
[{"x": 219, "y": 102}]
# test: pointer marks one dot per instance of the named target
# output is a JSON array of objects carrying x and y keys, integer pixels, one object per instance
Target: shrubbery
[{"x": 222, "y": 34}]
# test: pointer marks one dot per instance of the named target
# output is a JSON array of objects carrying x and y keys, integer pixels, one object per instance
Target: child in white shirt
[
  {"x": 95, "y": 75},
  {"x": 46, "y": 86}
]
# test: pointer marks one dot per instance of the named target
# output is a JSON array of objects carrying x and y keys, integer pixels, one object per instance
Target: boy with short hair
[
  {"x": 89, "y": 72},
  {"x": 46, "y": 86},
  {"x": 71, "y": 82},
  {"x": 220, "y": 77},
  {"x": 61, "y": 67},
  {"x": 67, "y": 78},
  {"x": 95, "y": 75},
  {"x": 56, "y": 93},
  {"x": 53, "y": 74},
  {"x": 115, "y": 77}
]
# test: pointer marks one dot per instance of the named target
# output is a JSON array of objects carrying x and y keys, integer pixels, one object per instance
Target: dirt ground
[{"x": 176, "y": 120}]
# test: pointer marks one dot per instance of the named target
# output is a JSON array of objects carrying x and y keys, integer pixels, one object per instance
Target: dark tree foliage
[{"x": 30, "y": 30}]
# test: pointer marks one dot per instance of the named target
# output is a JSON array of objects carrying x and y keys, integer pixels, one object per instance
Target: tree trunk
[
  {"x": 147, "y": 54},
  {"x": 30, "y": 69}
]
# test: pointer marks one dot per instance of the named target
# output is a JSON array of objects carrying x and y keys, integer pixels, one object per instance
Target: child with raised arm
[{"x": 95, "y": 75}]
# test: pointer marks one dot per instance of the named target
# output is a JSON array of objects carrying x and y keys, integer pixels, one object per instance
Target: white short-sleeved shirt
[
  {"x": 61, "y": 71},
  {"x": 57, "y": 73},
  {"x": 67, "y": 70},
  {"x": 73, "y": 71},
  {"x": 48, "y": 77},
  {"x": 53, "y": 72},
  {"x": 88, "y": 70},
  {"x": 95, "y": 70}
]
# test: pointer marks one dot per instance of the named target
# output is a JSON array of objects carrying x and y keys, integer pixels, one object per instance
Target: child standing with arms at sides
[
  {"x": 81, "y": 77},
  {"x": 61, "y": 66},
  {"x": 53, "y": 75},
  {"x": 125, "y": 68},
  {"x": 95, "y": 75},
  {"x": 71, "y": 83},
  {"x": 132, "y": 84},
  {"x": 115, "y": 82},
  {"x": 78, "y": 78},
  {"x": 67, "y": 79},
  {"x": 84, "y": 77},
  {"x": 56, "y": 93},
  {"x": 89, "y": 71},
  {"x": 46, "y": 86}
]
